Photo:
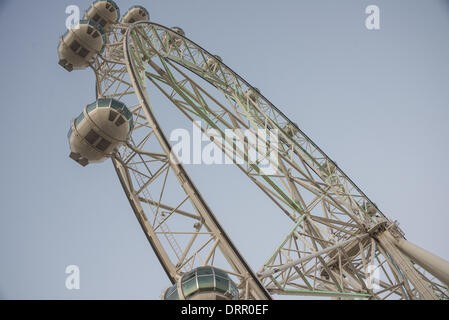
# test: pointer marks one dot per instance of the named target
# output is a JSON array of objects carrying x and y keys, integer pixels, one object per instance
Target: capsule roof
[
  {"x": 178, "y": 30},
  {"x": 204, "y": 278},
  {"x": 112, "y": 103},
  {"x": 112, "y": 3},
  {"x": 137, "y": 7}
]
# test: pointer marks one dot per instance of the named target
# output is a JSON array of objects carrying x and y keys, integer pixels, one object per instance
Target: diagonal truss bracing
[
  {"x": 177, "y": 222},
  {"x": 339, "y": 239}
]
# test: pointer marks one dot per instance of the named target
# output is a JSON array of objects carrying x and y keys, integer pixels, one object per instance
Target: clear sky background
[{"x": 377, "y": 102}]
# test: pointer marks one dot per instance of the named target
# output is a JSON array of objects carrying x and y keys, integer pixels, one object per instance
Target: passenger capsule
[
  {"x": 134, "y": 14},
  {"x": 203, "y": 283},
  {"x": 171, "y": 41},
  {"x": 329, "y": 168},
  {"x": 98, "y": 130},
  {"x": 369, "y": 208},
  {"x": 253, "y": 94},
  {"x": 291, "y": 130},
  {"x": 104, "y": 12},
  {"x": 212, "y": 64},
  {"x": 178, "y": 30},
  {"x": 78, "y": 46}
]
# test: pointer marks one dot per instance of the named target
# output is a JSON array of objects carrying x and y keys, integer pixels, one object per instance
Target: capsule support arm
[{"x": 435, "y": 265}]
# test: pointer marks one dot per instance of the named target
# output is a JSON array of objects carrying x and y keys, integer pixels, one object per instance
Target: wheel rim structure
[{"x": 335, "y": 237}]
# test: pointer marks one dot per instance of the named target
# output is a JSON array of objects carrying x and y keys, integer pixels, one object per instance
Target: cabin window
[
  {"x": 120, "y": 121},
  {"x": 116, "y": 105},
  {"x": 78, "y": 120},
  {"x": 83, "y": 52},
  {"x": 189, "y": 276},
  {"x": 206, "y": 282},
  {"x": 131, "y": 20},
  {"x": 108, "y": 5},
  {"x": 234, "y": 291},
  {"x": 95, "y": 34},
  {"x": 103, "y": 144},
  {"x": 103, "y": 103},
  {"x": 91, "y": 107},
  {"x": 96, "y": 17},
  {"x": 103, "y": 22},
  {"x": 127, "y": 113},
  {"x": 75, "y": 46},
  {"x": 89, "y": 30},
  {"x": 112, "y": 115},
  {"x": 172, "y": 293},
  {"x": 222, "y": 284},
  {"x": 92, "y": 137},
  {"x": 189, "y": 287},
  {"x": 111, "y": 9},
  {"x": 220, "y": 273},
  {"x": 204, "y": 271}
]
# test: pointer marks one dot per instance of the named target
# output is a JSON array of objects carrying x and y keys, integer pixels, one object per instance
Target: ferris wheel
[{"x": 339, "y": 244}]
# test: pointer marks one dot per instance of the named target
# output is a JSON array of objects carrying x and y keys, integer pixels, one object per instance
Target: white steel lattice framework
[{"x": 338, "y": 238}]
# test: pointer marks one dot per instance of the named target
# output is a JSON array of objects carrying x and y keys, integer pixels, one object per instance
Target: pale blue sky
[{"x": 377, "y": 102}]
